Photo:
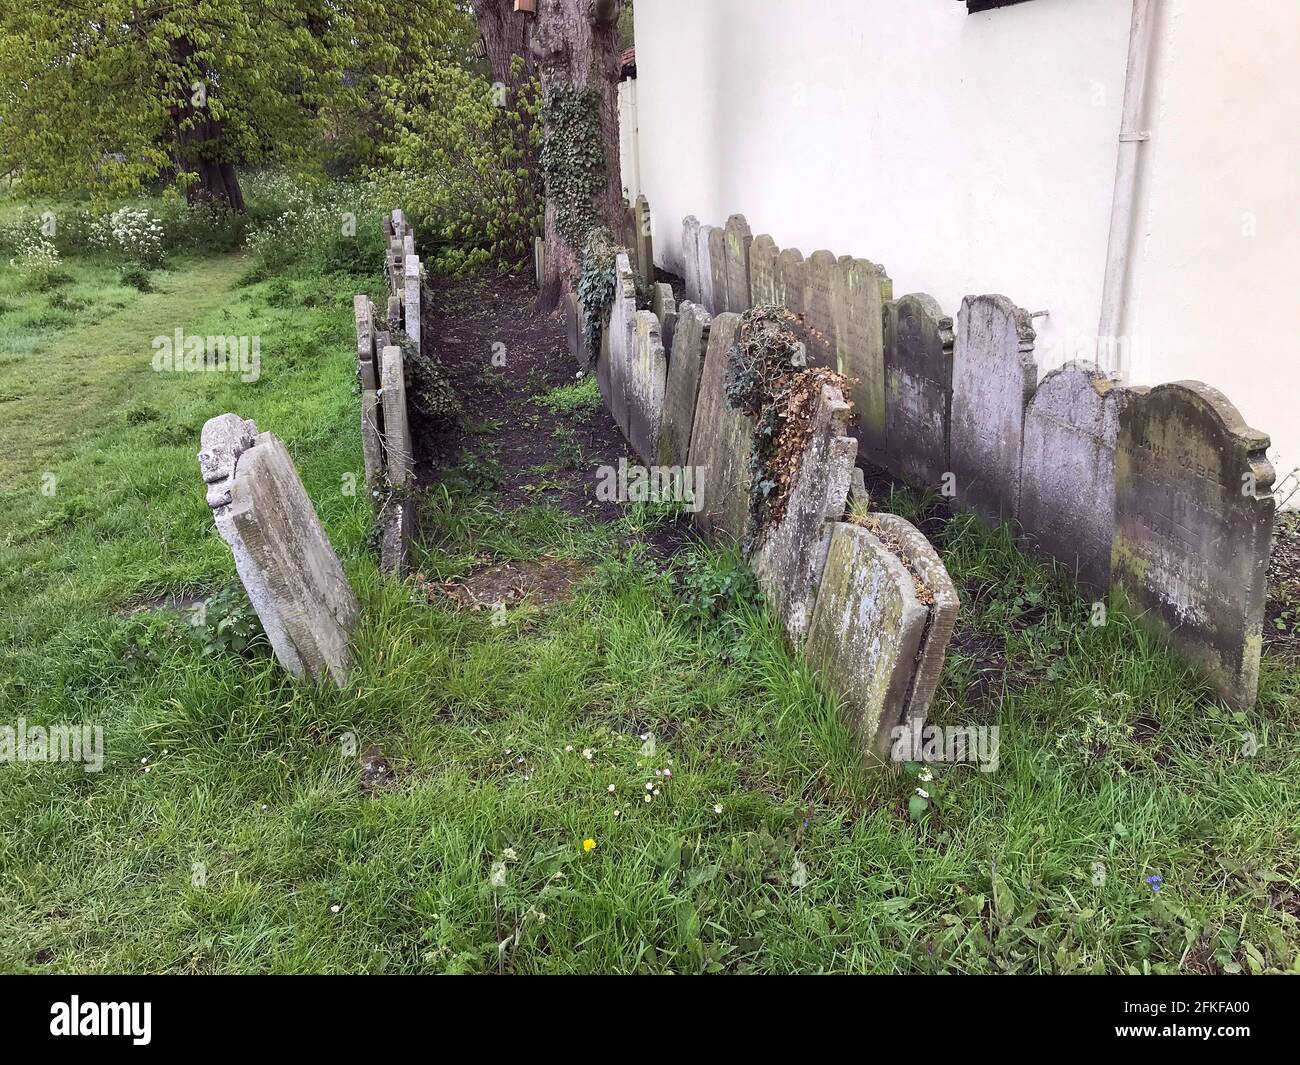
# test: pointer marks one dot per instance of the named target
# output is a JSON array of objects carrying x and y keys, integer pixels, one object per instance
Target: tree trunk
[
  {"x": 506, "y": 34},
  {"x": 200, "y": 144},
  {"x": 576, "y": 43}
]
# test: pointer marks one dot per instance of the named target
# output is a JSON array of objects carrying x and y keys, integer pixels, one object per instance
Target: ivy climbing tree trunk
[{"x": 575, "y": 43}]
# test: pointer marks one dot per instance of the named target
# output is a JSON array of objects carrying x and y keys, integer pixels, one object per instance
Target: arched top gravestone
[
  {"x": 858, "y": 291},
  {"x": 1193, "y": 528},
  {"x": 717, "y": 239},
  {"x": 994, "y": 376},
  {"x": 819, "y": 315},
  {"x": 918, "y": 339},
  {"x": 739, "y": 240},
  {"x": 762, "y": 270}
]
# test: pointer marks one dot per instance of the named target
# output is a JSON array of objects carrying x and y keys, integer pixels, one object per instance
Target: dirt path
[
  {"x": 86, "y": 374},
  {"x": 510, "y": 442}
]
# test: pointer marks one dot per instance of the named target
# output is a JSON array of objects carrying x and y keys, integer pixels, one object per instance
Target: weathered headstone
[
  {"x": 397, "y": 429},
  {"x": 857, "y": 288},
  {"x": 718, "y": 265},
  {"x": 690, "y": 341},
  {"x": 918, "y": 389},
  {"x": 411, "y": 309},
  {"x": 364, "y": 313},
  {"x": 721, "y": 442},
  {"x": 940, "y": 596},
  {"x": 292, "y": 576},
  {"x": 790, "y": 554},
  {"x": 788, "y": 282},
  {"x": 573, "y": 327},
  {"x": 394, "y": 313},
  {"x": 616, "y": 343},
  {"x": 993, "y": 379},
  {"x": 646, "y": 380},
  {"x": 372, "y": 438},
  {"x": 739, "y": 238},
  {"x": 704, "y": 264},
  {"x": 664, "y": 305},
  {"x": 762, "y": 271},
  {"x": 645, "y": 256},
  {"x": 818, "y": 307},
  {"x": 1067, "y": 474},
  {"x": 691, "y": 257},
  {"x": 399, "y": 223},
  {"x": 866, "y": 631},
  {"x": 539, "y": 260},
  {"x": 1193, "y": 528}
]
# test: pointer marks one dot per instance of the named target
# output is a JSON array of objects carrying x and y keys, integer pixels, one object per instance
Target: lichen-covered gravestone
[
  {"x": 1193, "y": 528},
  {"x": 789, "y": 556},
  {"x": 690, "y": 341},
  {"x": 866, "y": 632},
  {"x": 739, "y": 240},
  {"x": 858, "y": 288},
  {"x": 292, "y": 576},
  {"x": 664, "y": 305},
  {"x": 616, "y": 343},
  {"x": 717, "y": 238},
  {"x": 1067, "y": 475},
  {"x": 818, "y": 308},
  {"x": 645, "y": 255},
  {"x": 788, "y": 281},
  {"x": 691, "y": 257},
  {"x": 940, "y": 596},
  {"x": 721, "y": 442},
  {"x": 918, "y": 389},
  {"x": 397, "y": 428},
  {"x": 704, "y": 266},
  {"x": 647, "y": 374},
  {"x": 994, "y": 376},
  {"x": 762, "y": 271}
]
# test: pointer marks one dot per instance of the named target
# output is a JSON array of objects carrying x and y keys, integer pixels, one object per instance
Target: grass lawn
[{"x": 228, "y": 832}]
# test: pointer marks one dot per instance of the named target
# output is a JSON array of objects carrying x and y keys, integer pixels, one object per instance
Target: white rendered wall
[{"x": 976, "y": 153}]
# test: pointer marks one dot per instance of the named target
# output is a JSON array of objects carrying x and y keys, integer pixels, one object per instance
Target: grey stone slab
[
  {"x": 691, "y": 257},
  {"x": 396, "y": 523},
  {"x": 411, "y": 300},
  {"x": 857, "y": 291},
  {"x": 818, "y": 308},
  {"x": 394, "y": 314},
  {"x": 738, "y": 239},
  {"x": 292, "y": 576},
  {"x": 788, "y": 281},
  {"x": 397, "y": 428},
  {"x": 645, "y": 256},
  {"x": 1067, "y": 473},
  {"x": 789, "y": 555},
  {"x": 867, "y": 627},
  {"x": 763, "y": 254},
  {"x": 994, "y": 376},
  {"x": 918, "y": 389},
  {"x": 721, "y": 442},
  {"x": 539, "y": 260},
  {"x": 941, "y": 600},
  {"x": 646, "y": 381},
  {"x": 717, "y": 238},
  {"x": 1194, "y": 512},
  {"x": 363, "y": 312},
  {"x": 690, "y": 341},
  {"x": 704, "y": 264},
  {"x": 664, "y": 305},
  {"x": 617, "y": 343}
]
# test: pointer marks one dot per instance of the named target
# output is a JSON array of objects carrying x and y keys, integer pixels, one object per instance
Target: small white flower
[
  {"x": 143, "y": 761},
  {"x": 668, "y": 774},
  {"x": 587, "y": 752},
  {"x": 655, "y": 792},
  {"x": 649, "y": 785},
  {"x": 647, "y": 798},
  {"x": 509, "y": 854},
  {"x": 610, "y": 789},
  {"x": 335, "y": 908},
  {"x": 925, "y": 775},
  {"x": 923, "y": 793},
  {"x": 717, "y": 807},
  {"x": 568, "y": 749},
  {"x": 618, "y": 813}
]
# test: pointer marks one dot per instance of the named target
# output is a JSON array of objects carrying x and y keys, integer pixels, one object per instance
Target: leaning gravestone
[
  {"x": 1067, "y": 475},
  {"x": 646, "y": 378},
  {"x": 645, "y": 256},
  {"x": 616, "y": 343},
  {"x": 857, "y": 290},
  {"x": 762, "y": 271},
  {"x": 721, "y": 442},
  {"x": 691, "y": 257},
  {"x": 918, "y": 389},
  {"x": 940, "y": 595},
  {"x": 718, "y": 265},
  {"x": 1193, "y": 528},
  {"x": 867, "y": 628},
  {"x": 788, "y": 282},
  {"x": 690, "y": 341},
  {"x": 284, "y": 560},
  {"x": 789, "y": 556},
  {"x": 739, "y": 239},
  {"x": 818, "y": 308},
  {"x": 397, "y": 429},
  {"x": 993, "y": 379},
  {"x": 364, "y": 313},
  {"x": 664, "y": 305}
]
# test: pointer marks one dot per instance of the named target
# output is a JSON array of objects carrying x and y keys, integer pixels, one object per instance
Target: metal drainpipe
[{"x": 1127, "y": 170}]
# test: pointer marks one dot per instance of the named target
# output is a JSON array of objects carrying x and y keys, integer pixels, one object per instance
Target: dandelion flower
[{"x": 588, "y": 845}]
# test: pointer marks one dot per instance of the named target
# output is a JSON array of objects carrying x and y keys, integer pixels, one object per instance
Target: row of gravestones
[
  {"x": 1161, "y": 495},
  {"x": 868, "y": 600},
  {"x": 285, "y": 562}
]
